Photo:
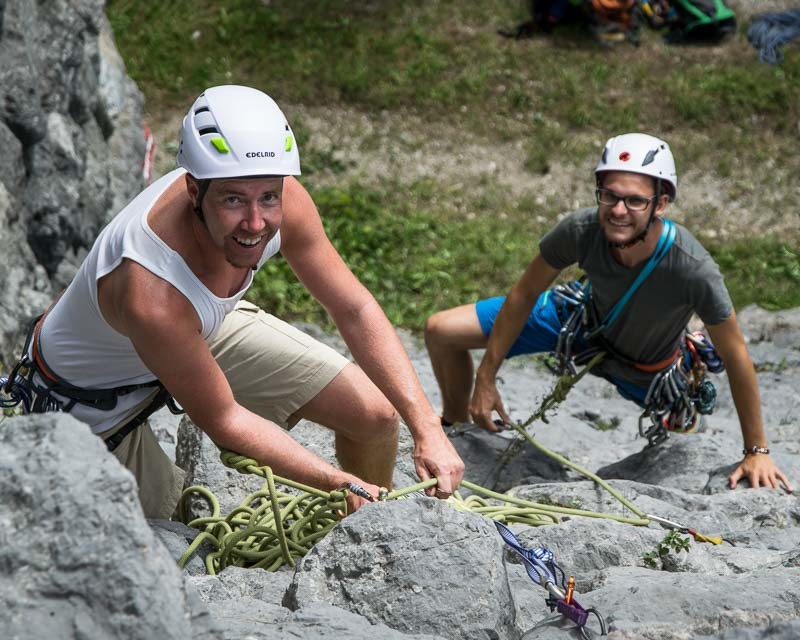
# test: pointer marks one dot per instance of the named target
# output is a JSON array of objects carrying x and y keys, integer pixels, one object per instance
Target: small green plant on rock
[
  {"x": 606, "y": 425},
  {"x": 672, "y": 542}
]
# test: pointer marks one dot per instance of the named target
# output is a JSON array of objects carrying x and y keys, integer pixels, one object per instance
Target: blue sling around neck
[{"x": 664, "y": 243}]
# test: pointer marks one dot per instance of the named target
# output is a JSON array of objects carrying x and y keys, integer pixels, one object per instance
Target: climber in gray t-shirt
[
  {"x": 645, "y": 278},
  {"x": 649, "y": 329}
]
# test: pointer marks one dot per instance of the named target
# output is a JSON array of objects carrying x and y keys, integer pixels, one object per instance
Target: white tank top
[{"x": 83, "y": 349}]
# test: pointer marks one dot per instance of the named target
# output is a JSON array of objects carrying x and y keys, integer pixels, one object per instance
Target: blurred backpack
[
  {"x": 657, "y": 12},
  {"x": 610, "y": 20},
  {"x": 615, "y": 20},
  {"x": 699, "y": 21}
]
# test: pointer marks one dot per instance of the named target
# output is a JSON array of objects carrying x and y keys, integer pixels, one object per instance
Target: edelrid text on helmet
[
  {"x": 233, "y": 131},
  {"x": 640, "y": 153}
]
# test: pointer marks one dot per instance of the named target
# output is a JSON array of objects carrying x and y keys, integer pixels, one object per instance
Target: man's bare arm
[
  {"x": 759, "y": 469},
  {"x": 367, "y": 331},
  {"x": 508, "y": 325},
  {"x": 165, "y": 331}
]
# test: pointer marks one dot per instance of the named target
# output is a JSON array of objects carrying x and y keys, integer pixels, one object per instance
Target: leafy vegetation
[
  {"x": 421, "y": 244},
  {"x": 672, "y": 543}
]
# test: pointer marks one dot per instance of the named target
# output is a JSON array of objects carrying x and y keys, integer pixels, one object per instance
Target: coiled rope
[
  {"x": 272, "y": 528},
  {"x": 769, "y": 31}
]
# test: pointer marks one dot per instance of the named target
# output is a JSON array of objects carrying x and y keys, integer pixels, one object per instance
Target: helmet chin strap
[
  {"x": 640, "y": 238},
  {"x": 201, "y": 193}
]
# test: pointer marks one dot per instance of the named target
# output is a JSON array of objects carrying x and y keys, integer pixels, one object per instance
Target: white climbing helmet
[
  {"x": 232, "y": 132},
  {"x": 640, "y": 153}
]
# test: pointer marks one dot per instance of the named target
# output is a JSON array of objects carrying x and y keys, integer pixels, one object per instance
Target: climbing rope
[
  {"x": 269, "y": 528},
  {"x": 561, "y": 389},
  {"x": 272, "y": 528}
]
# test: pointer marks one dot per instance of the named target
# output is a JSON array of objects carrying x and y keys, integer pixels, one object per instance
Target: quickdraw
[
  {"x": 680, "y": 528},
  {"x": 15, "y": 391},
  {"x": 573, "y": 298},
  {"x": 543, "y": 570}
]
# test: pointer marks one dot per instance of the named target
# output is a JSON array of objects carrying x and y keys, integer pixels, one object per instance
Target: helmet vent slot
[{"x": 206, "y": 130}]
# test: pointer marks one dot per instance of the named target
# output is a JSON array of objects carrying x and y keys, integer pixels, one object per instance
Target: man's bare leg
[
  {"x": 365, "y": 423},
  {"x": 449, "y": 336}
]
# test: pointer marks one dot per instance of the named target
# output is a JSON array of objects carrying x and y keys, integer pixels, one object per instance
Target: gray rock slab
[
  {"x": 251, "y": 619},
  {"x": 643, "y": 603},
  {"x": 234, "y": 583},
  {"x": 77, "y": 555},
  {"x": 405, "y": 564}
]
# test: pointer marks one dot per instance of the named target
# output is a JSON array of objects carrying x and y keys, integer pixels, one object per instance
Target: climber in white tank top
[
  {"x": 156, "y": 299},
  {"x": 74, "y": 334}
]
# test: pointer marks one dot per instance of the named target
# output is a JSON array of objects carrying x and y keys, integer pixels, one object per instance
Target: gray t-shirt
[{"x": 650, "y": 327}]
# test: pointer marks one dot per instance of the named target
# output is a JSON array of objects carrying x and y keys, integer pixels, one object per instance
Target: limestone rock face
[
  {"x": 404, "y": 563},
  {"x": 73, "y": 144}
]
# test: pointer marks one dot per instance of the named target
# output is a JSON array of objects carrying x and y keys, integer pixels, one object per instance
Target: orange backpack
[{"x": 616, "y": 20}]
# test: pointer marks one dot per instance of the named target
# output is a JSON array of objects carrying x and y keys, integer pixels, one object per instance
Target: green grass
[
  {"x": 413, "y": 261},
  {"x": 425, "y": 245},
  {"x": 763, "y": 271}
]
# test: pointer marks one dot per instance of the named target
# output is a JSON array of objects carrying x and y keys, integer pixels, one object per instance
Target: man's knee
[
  {"x": 456, "y": 329},
  {"x": 437, "y": 328},
  {"x": 384, "y": 422}
]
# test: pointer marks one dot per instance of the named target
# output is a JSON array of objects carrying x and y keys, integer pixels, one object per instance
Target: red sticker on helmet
[{"x": 624, "y": 156}]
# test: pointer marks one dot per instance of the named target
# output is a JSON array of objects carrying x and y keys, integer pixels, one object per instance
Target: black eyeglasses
[{"x": 632, "y": 203}]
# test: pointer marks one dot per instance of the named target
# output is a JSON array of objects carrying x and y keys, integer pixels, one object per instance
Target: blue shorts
[{"x": 540, "y": 334}]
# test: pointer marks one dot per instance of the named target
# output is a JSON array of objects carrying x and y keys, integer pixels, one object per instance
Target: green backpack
[{"x": 699, "y": 21}]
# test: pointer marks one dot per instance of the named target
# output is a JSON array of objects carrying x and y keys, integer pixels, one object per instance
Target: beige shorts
[
  {"x": 273, "y": 369},
  {"x": 160, "y": 480}
]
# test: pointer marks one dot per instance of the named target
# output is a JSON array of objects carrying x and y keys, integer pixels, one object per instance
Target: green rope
[
  {"x": 584, "y": 472},
  {"x": 561, "y": 389},
  {"x": 271, "y": 528}
]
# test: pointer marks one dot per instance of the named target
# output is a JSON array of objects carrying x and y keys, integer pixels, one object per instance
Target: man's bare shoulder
[
  {"x": 296, "y": 199},
  {"x": 133, "y": 299}
]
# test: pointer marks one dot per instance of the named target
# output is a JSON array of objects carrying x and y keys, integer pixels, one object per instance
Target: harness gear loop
[{"x": 680, "y": 394}]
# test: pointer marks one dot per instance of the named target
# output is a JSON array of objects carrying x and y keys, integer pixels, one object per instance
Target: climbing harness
[
  {"x": 681, "y": 394},
  {"x": 33, "y": 386},
  {"x": 543, "y": 570}
]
